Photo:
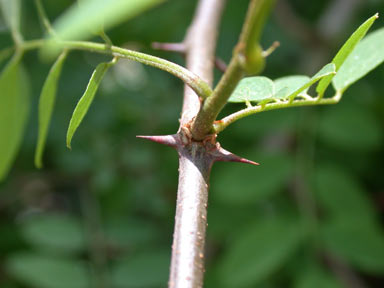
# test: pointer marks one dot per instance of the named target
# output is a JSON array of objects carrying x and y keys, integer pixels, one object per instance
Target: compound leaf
[{"x": 46, "y": 105}]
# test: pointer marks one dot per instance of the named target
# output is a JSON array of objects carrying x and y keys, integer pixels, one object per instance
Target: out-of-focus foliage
[{"x": 101, "y": 215}]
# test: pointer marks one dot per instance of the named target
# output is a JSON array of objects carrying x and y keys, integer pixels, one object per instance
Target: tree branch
[
  {"x": 200, "y": 43},
  {"x": 187, "y": 265}
]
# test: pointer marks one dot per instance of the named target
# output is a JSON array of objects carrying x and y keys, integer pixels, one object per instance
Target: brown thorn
[
  {"x": 221, "y": 154},
  {"x": 169, "y": 140}
]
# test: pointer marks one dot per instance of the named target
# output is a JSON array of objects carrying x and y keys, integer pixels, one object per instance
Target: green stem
[
  {"x": 257, "y": 14},
  {"x": 226, "y": 121},
  {"x": 198, "y": 85},
  {"x": 241, "y": 63},
  {"x": 213, "y": 105}
]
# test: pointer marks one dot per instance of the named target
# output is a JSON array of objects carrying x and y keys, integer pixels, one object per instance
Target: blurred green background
[{"x": 101, "y": 215}]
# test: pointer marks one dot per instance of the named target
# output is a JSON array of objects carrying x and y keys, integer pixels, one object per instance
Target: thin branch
[
  {"x": 247, "y": 58},
  {"x": 200, "y": 43},
  {"x": 199, "y": 86},
  {"x": 187, "y": 264},
  {"x": 220, "y": 125}
]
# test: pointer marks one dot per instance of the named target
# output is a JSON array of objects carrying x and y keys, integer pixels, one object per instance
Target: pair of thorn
[{"x": 217, "y": 153}]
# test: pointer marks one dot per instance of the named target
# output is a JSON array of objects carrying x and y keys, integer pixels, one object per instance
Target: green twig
[
  {"x": 247, "y": 59},
  {"x": 198, "y": 85},
  {"x": 220, "y": 125}
]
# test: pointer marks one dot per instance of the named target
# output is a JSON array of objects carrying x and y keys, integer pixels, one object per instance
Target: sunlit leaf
[
  {"x": 76, "y": 22},
  {"x": 86, "y": 100},
  {"x": 40, "y": 271},
  {"x": 54, "y": 232},
  {"x": 285, "y": 86},
  {"x": 46, "y": 104},
  {"x": 11, "y": 13},
  {"x": 259, "y": 252},
  {"x": 253, "y": 89},
  {"x": 133, "y": 272},
  {"x": 367, "y": 55},
  {"x": 345, "y": 51},
  {"x": 360, "y": 244},
  {"x": 14, "y": 108}
]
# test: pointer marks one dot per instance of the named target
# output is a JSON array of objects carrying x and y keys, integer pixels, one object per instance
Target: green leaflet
[
  {"x": 86, "y": 100},
  {"x": 253, "y": 89},
  {"x": 257, "y": 89},
  {"x": 14, "y": 108},
  {"x": 11, "y": 13},
  {"x": 46, "y": 105},
  {"x": 75, "y": 22},
  {"x": 345, "y": 51},
  {"x": 258, "y": 252},
  {"x": 367, "y": 55}
]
